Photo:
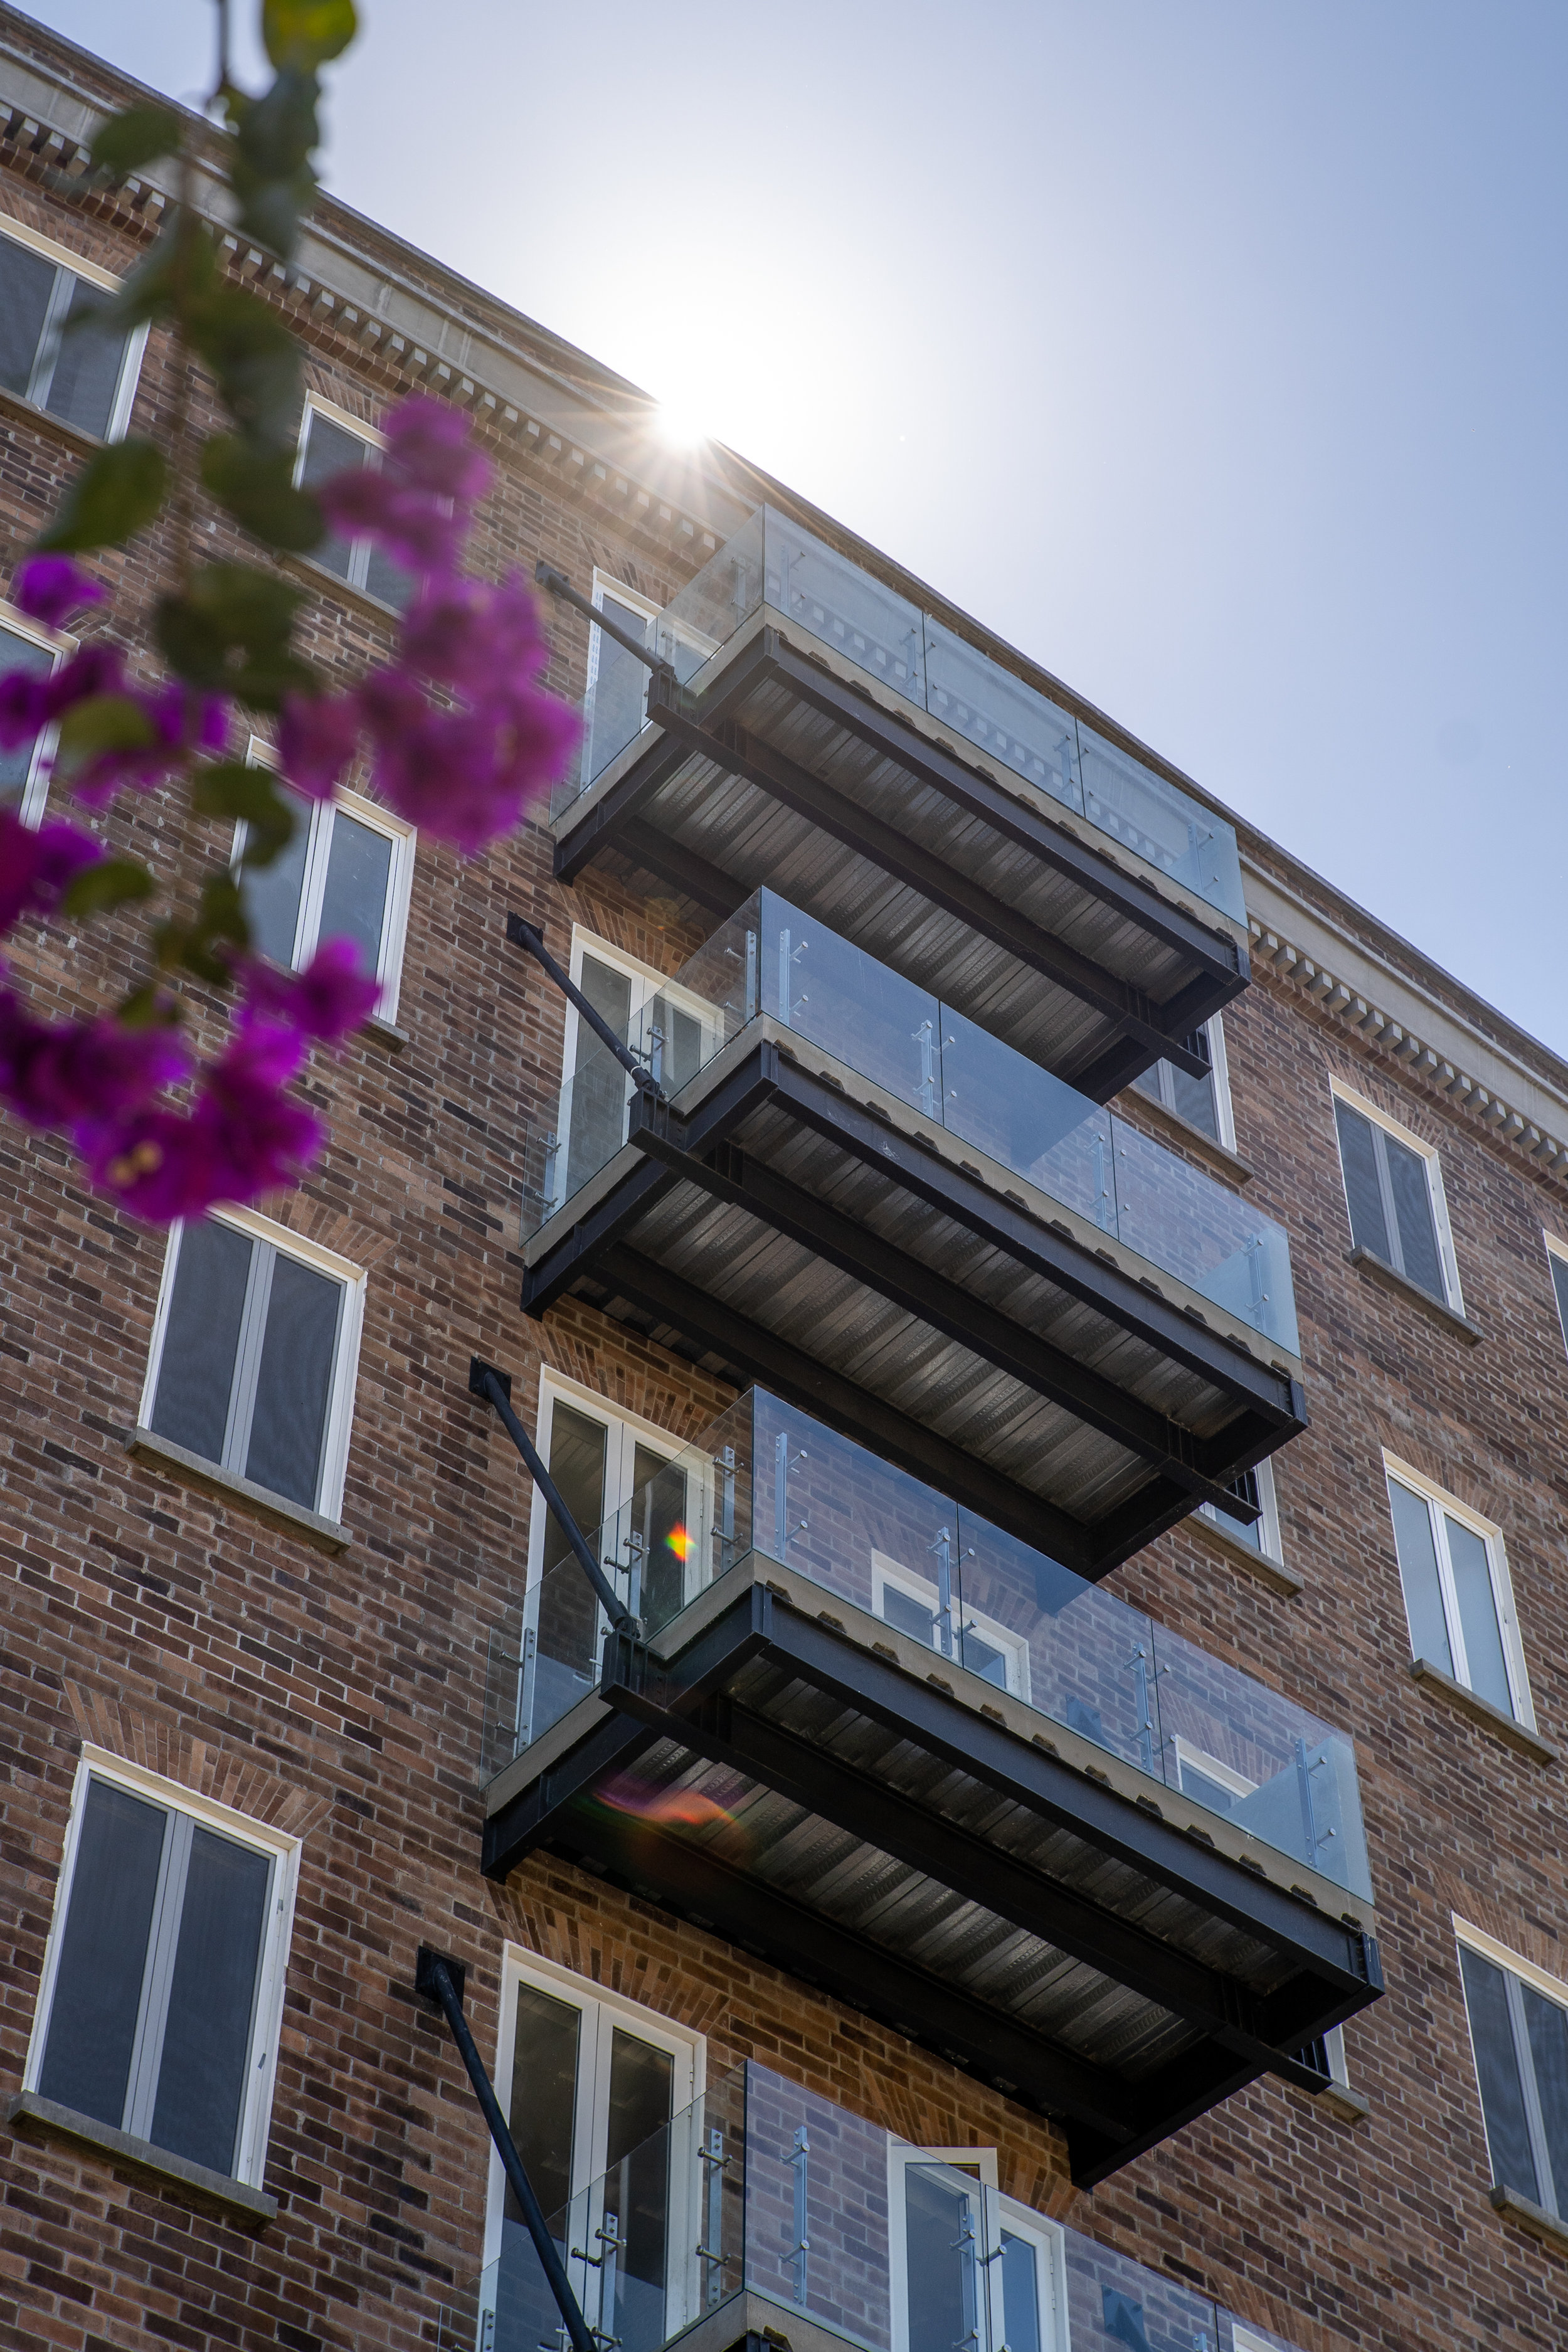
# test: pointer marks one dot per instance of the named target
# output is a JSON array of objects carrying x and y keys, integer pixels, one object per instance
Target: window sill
[
  {"x": 1347, "y": 2106},
  {"x": 1533, "y": 2219},
  {"x": 386, "y": 1031},
  {"x": 191, "y": 1470},
  {"x": 72, "y": 435},
  {"x": 215, "y": 2190},
  {"x": 1481, "y": 1711},
  {"x": 317, "y": 577},
  {"x": 1377, "y": 1269},
  {"x": 1171, "y": 1125},
  {"x": 1271, "y": 1573}
]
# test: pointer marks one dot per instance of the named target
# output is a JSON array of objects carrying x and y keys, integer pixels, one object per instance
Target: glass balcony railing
[
  {"x": 768, "y": 1480},
  {"x": 771, "y": 958},
  {"x": 761, "y": 2189},
  {"x": 772, "y": 561}
]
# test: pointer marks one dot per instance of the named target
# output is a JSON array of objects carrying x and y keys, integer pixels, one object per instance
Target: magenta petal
[
  {"x": 318, "y": 736},
  {"x": 49, "y": 588},
  {"x": 36, "y": 867},
  {"x": 428, "y": 443}
]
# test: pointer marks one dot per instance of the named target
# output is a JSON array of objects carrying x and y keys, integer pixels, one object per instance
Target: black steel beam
[
  {"x": 995, "y": 1339},
  {"x": 660, "y": 855}
]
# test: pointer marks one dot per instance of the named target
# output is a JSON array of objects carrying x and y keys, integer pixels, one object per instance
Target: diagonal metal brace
[
  {"x": 439, "y": 1981},
  {"x": 523, "y": 935},
  {"x": 560, "y": 588},
  {"x": 484, "y": 1381}
]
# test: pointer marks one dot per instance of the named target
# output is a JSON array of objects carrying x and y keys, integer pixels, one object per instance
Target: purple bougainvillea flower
[
  {"x": 420, "y": 532},
  {"x": 62, "y": 1074},
  {"x": 242, "y": 1137},
  {"x": 331, "y": 997},
  {"x": 36, "y": 864},
  {"x": 179, "y": 722},
  {"x": 91, "y": 670},
  {"x": 479, "y": 638},
  {"x": 49, "y": 588},
  {"x": 318, "y": 736},
  {"x": 24, "y": 707},
  {"x": 428, "y": 445}
]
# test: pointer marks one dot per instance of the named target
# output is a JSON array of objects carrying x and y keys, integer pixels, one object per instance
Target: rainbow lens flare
[
  {"x": 683, "y": 1808},
  {"x": 679, "y": 1542}
]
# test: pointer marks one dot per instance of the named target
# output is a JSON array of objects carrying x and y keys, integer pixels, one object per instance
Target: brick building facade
[{"x": 318, "y": 1685}]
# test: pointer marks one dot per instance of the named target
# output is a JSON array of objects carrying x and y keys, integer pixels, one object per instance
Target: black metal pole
[
  {"x": 433, "y": 1979},
  {"x": 484, "y": 1381},
  {"x": 560, "y": 586},
  {"x": 523, "y": 935}
]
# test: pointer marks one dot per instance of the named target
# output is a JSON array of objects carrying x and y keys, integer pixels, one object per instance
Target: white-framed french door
[
  {"x": 671, "y": 1032},
  {"x": 971, "y": 2270}
]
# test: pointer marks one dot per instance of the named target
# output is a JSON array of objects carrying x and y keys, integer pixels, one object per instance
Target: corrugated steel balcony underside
[
  {"x": 779, "y": 1780},
  {"x": 786, "y": 774},
  {"x": 781, "y": 1233}
]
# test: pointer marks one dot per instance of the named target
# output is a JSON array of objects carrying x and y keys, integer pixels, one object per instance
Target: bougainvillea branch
[{"x": 462, "y": 740}]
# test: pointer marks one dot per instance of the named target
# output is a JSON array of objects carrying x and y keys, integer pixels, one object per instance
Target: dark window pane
[
  {"x": 195, "y": 1376},
  {"x": 1497, "y": 2066},
  {"x": 1418, "y": 1575},
  {"x": 1193, "y": 1099},
  {"x": 87, "y": 365},
  {"x": 1207, "y": 1791},
  {"x": 211, "y": 1998},
  {"x": 1547, "y": 2025},
  {"x": 1559, "y": 1286},
  {"x": 545, "y": 2096},
  {"x": 1411, "y": 1186},
  {"x": 577, "y": 1466},
  {"x": 637, "y": 2187},
  {"x": 294, "y": 1384},
  {"x": 104, "y": 1955},
  {"x": 19, "y": 653},
  {"x": 359, "y": 868},
  {"x": 1369, "y": 1228},
  {"x": 26, "y": 282},
  {"x": 939, "y": 2233},
  {"x": 567, "y": 1657},
  {"x": 1147, "y": 1082},
  {"x": 678, "y": 1044},
  {"x": 619, "y": 690},
  {"x": 388, "y": 581},
  {"x": 596, "y": 1104},
  {"x": 1478, "y": 1616},
  {"x": 911, "y": 1615},
  {"x": 330, "y": 450},
  {"x": 271, "y": 893},
  {"x": 1020, "y": 2294},
  {"x": 657, "y": 1516},
  {"x": 1246, "y": 1532}
]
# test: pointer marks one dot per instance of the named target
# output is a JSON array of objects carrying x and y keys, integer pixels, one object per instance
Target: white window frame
[
  {"x": 1439, "y": 1500},
  {"x": 1424, "y": 1151},
  {"x": 643, "y": 977},
  {"x": 605, "y": 583},
  {"x": 97, "y": 1763},
  {"x": 350, "y": 1326},
  {"x": 999, "y": 2214},
  {"x": 135, "y": 341},
  {"x": 1550, "y": 1988},
  {"x": 886, "y": 1570},
  {"x": 322, "y": 817},
  {"x": 1226, "y": 1776},
  {"x": 1270, "y": 1545},
  {"x": 1219, "y": 1068},
  {"x": 35, "y": 795},
  {"x": 602, "y": 2009},
  {"x": 626, "y": 1432},
  {"x": 1558, "y": 1250},
  {"x": 358, "y": 547}
]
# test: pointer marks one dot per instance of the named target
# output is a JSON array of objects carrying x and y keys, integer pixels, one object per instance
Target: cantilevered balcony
[
  {"x": 814, "y": 730},
  {"x": 907, "y": 1758},
  {"x": 853, "y": 1192},
  {"x": 765, "y": 2211}
]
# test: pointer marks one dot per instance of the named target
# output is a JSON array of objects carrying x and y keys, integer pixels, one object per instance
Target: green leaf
[
  {"x": 117, "y": 494},
  {"x": 102, "y": 722},
  {"x": 254, "y": 357},
  {"x": 305, "y": 33},
  {"x": 112, "y": 882},
  {"x": 270, "y": 173},
  {"x": 232, "y": 789},
  {"x": 190, "y": 947},
  {"x": 257, "y": 486},
  {"x": 139, "y": 136},
  {"x": 230, "y": 633},
  {"x": 180, "y": 269},
  {"x": 149, "y": 1008}
]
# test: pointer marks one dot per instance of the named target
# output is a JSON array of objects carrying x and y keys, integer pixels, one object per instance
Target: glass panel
[
  {"x": 613, "y": 714},
  {"x": 1248, "y": 1531},
  {"x": 543, "y": 2118},
  {"x": 205, "y": 2064},
  {"x": 86, "y": 374},
  {"x": 1117, "y": 2305},
  {"x": 26, "y": 285},
  {"x": 388, "y": 581},
  {"x": 1195, "y": 1100},
  {"x": 1159, "y": 821},
  {"x": 710, "y": 607},
  {"x": 359, "y": 870},
  {"x": 1358, "y": 1157},
  {"x": 328, "y": 450},
  {"x": 195, "y": 1372},
  {"x": 1021, "y": 2296},
  {"x": 1204, "y": 1234},
  {"x": 832, "y": 599},
  {"x": 1560, "y": 1288},
  {"x": 844, "y": 1000},
  {"x": 103, "y": 1952},
  {"x": 1547, "y": 2026},
  {"x": 657, "y": 1538},
  {"x": 294, "y": 1384},
  {"x": 566, "y": 1616},
  {"x": 23, "y": 653},
  {"x": 272, "y": 893},
  {"x": 940, "y": 2250},
  {"x": 1497, "y": 2068},
  {"x": 1468, "y": 1559},
  {"x": 1409, "y": 1180},
  {"x": 593, "y": 1114},
  {"x": 1027, "y": 1119},
  {"x": 1417, "y": 1552},
  {"x": 1002, "y": 716},
  {"x": 636, "y": 2191}
]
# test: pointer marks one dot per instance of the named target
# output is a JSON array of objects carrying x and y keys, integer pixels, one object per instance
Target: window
[
  {"x": 1327, "y": 2053},
  {"x": 618, "y": 681},
  {"x": 1204, "y": 1103},
  {"x": 23, "y": 771},
  {"x": 1519, "y": 2033},
  {"x": 1394, "y": 1188},
  {"x": 969, "y": 2267},
  {"x": 1457, "y": 1593},
  {"x": 1260, "y": 1535},
  {"x": 331, "y": 442},
  {"x": 590, "y": 2082},
  {"x": 1557, "y": 1259},
  {"x": 923, "y": 1607},
  {"x": 346, "y": 873},
  {"x": 85, "y": 377},
  {"x": 164, "y": 1976},
  {"x": 673, "y": 1031},
  {"x": 255, "y": 1349}
]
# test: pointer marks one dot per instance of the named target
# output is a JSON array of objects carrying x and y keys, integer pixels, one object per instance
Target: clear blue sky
[{"x": 1213, "y": 351}]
